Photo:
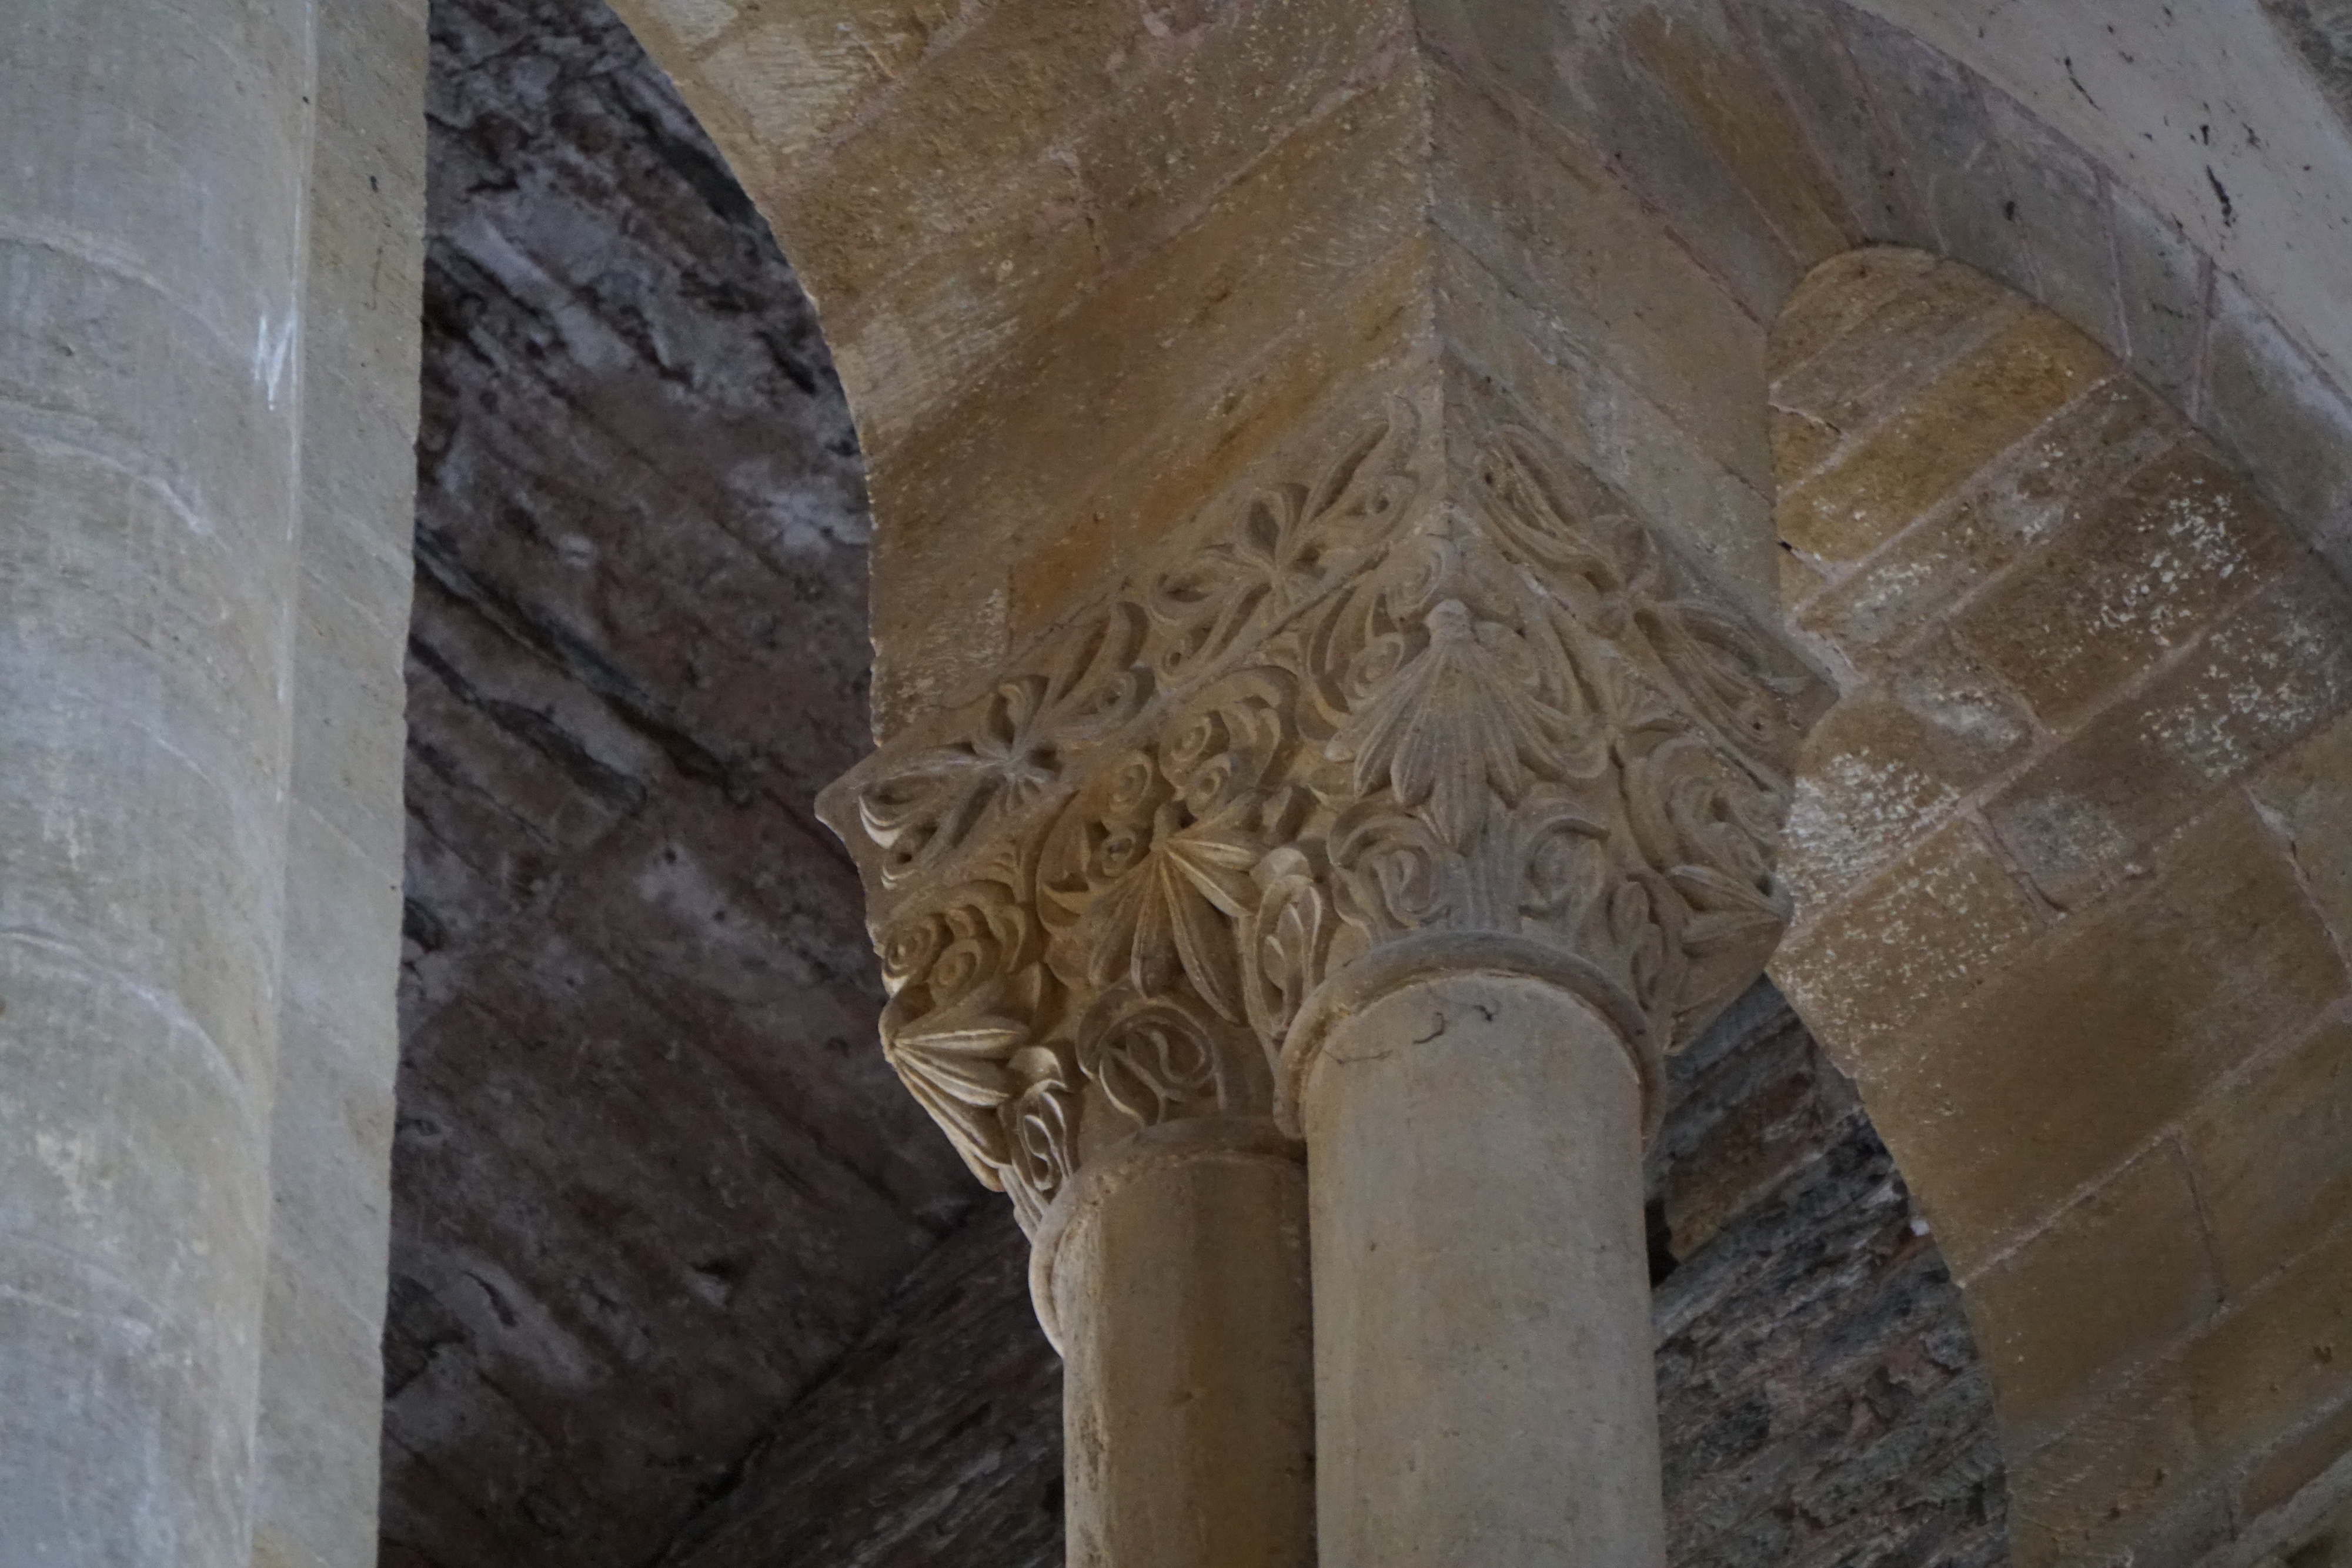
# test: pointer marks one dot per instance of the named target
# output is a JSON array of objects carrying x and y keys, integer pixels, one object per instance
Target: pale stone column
[
  {"x": 152, "y": 225},
  {"x": 1418, "y": 804},
  {"x": 1168, "y": 1214},
  {"x": 1483, "y": 1391},
  {"x": 1173, "y": 1276}
]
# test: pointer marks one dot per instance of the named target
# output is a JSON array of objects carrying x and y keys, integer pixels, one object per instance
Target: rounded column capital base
[
  {"x": 1442, "y": 954},
  {"x": 1251, "y": 1140}
]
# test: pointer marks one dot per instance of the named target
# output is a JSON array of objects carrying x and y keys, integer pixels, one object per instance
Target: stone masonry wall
[
  {"x": 651, "y": 1176},
  {"x": 1820, "y": 1398},
  {"x": 2068, "y": 857}
]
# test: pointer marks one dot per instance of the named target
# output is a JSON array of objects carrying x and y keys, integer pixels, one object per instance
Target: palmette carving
[{"x": 1373, "y": 710}]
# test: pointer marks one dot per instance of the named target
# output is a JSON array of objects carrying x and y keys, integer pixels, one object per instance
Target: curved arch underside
[
  {"x": 1089, "y": 270},
  {"x": 2067, "y": 863}
]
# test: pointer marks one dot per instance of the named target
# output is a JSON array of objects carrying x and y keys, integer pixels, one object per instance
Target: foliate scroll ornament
[
  {"x": 967, "y": 1029},
  {"x": 1367, "y": 712}
]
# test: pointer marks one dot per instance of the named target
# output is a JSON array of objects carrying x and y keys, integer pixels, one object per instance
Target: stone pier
[
  {"x": 209, "y": 221},
  {"x": 1417, "y": 805}
]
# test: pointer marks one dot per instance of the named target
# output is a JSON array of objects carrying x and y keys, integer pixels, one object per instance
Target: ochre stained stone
[
  {"x": 1916, "y": 938},
  {"x": 1228, "y": 91},
  {"x": 1855, "y": 367},
  {"x": 2102, "y": 1034},
  {"x": 2276, "y": 668},
  {"x": 1086, "y": 415},
  {"x": 1801, "y": 443},
  {"x": 2120, "y": 1473},
  {"x": 2285, "y": 1352},
  {"x": 2270, "y": 1155},
  {"x": 2126, "y": 583},
  {"x": 1917, "y": 576},
  {"x": 2055, "y": 1327},
  {"x": 792, "y": 81},
  {"x": 1845, "y": 291},
  {"x": 961, "y": 133},
  {"x": 1988, "y": 401}
]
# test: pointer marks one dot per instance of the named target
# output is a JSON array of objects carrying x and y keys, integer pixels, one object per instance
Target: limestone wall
[
  {"x": 2068, "y": 859},
  {"x": 1081, "y": 266},
  {"x": 652, "y": 1176}
]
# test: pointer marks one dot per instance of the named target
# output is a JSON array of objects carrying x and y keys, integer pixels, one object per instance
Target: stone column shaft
[
  {"x": 152, "y": 223},
  {"x": 1483, "y": 1393},
  {"x": 1175, "y": 1281},
  {"x": 1424, "y": 707}
]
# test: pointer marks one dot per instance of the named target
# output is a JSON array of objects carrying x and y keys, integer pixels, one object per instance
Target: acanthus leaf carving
[
  {"x": 1350, "y": 720},
  {"x": 1458, "y": 724}
]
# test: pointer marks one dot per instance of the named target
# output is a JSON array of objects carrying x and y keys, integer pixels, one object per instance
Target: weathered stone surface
[
  {"x": 1863, "y": 333},
  {"x": 1909, "y": 944},
  {"x": 1911, "y": 582},
  {"x": 651, "y": 1178},
  {"x": 1707, "y": 62},
  {"x": 2135, "y": 576},
  {"x": 2061, "y": 211},
  {"x": 2114, "y": 1483},
  {"x": 2279, "y": 1355},
  {"x": 2171, "y": 983},
  {"x": 2060, "y": 1329},
  {"x": 1859, "y": 147},
  {"x": 2130, "y": 1090},
  {"x": 1818, "y": 1394},
  {"x": 2294, "y": 1463},
  {"x": 2268, "y": 1155},
  {"x": 1890, "y": 761},
  {"x": 2276, "y": 668},
  {"x": 1549, "y": 224},
  {"x": 1659, "y": 95},
  {"x": 2164, "y": 281},
  {"x": 2148, "y": 1471},
  {"x": 2017, "y": 377},
  {"x": 2307, "y": 793},
  {"x": 2321, "y": 32},
  {"x": 2283, "y": 418},
  {"x": 1963, "y": 176}
]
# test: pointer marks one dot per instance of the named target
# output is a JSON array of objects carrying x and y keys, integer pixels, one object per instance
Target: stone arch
[
  {"x": 1115, "y": 306},
  {"x": 1005, "y": 221},
  {"x": 2067, "y": 858}
]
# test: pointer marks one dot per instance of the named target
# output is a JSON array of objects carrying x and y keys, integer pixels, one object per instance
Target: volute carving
[{"x": 1378, "y": 707}]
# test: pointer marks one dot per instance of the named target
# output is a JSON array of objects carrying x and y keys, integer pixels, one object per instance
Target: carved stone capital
[{"x": 1461, "y": 705}]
